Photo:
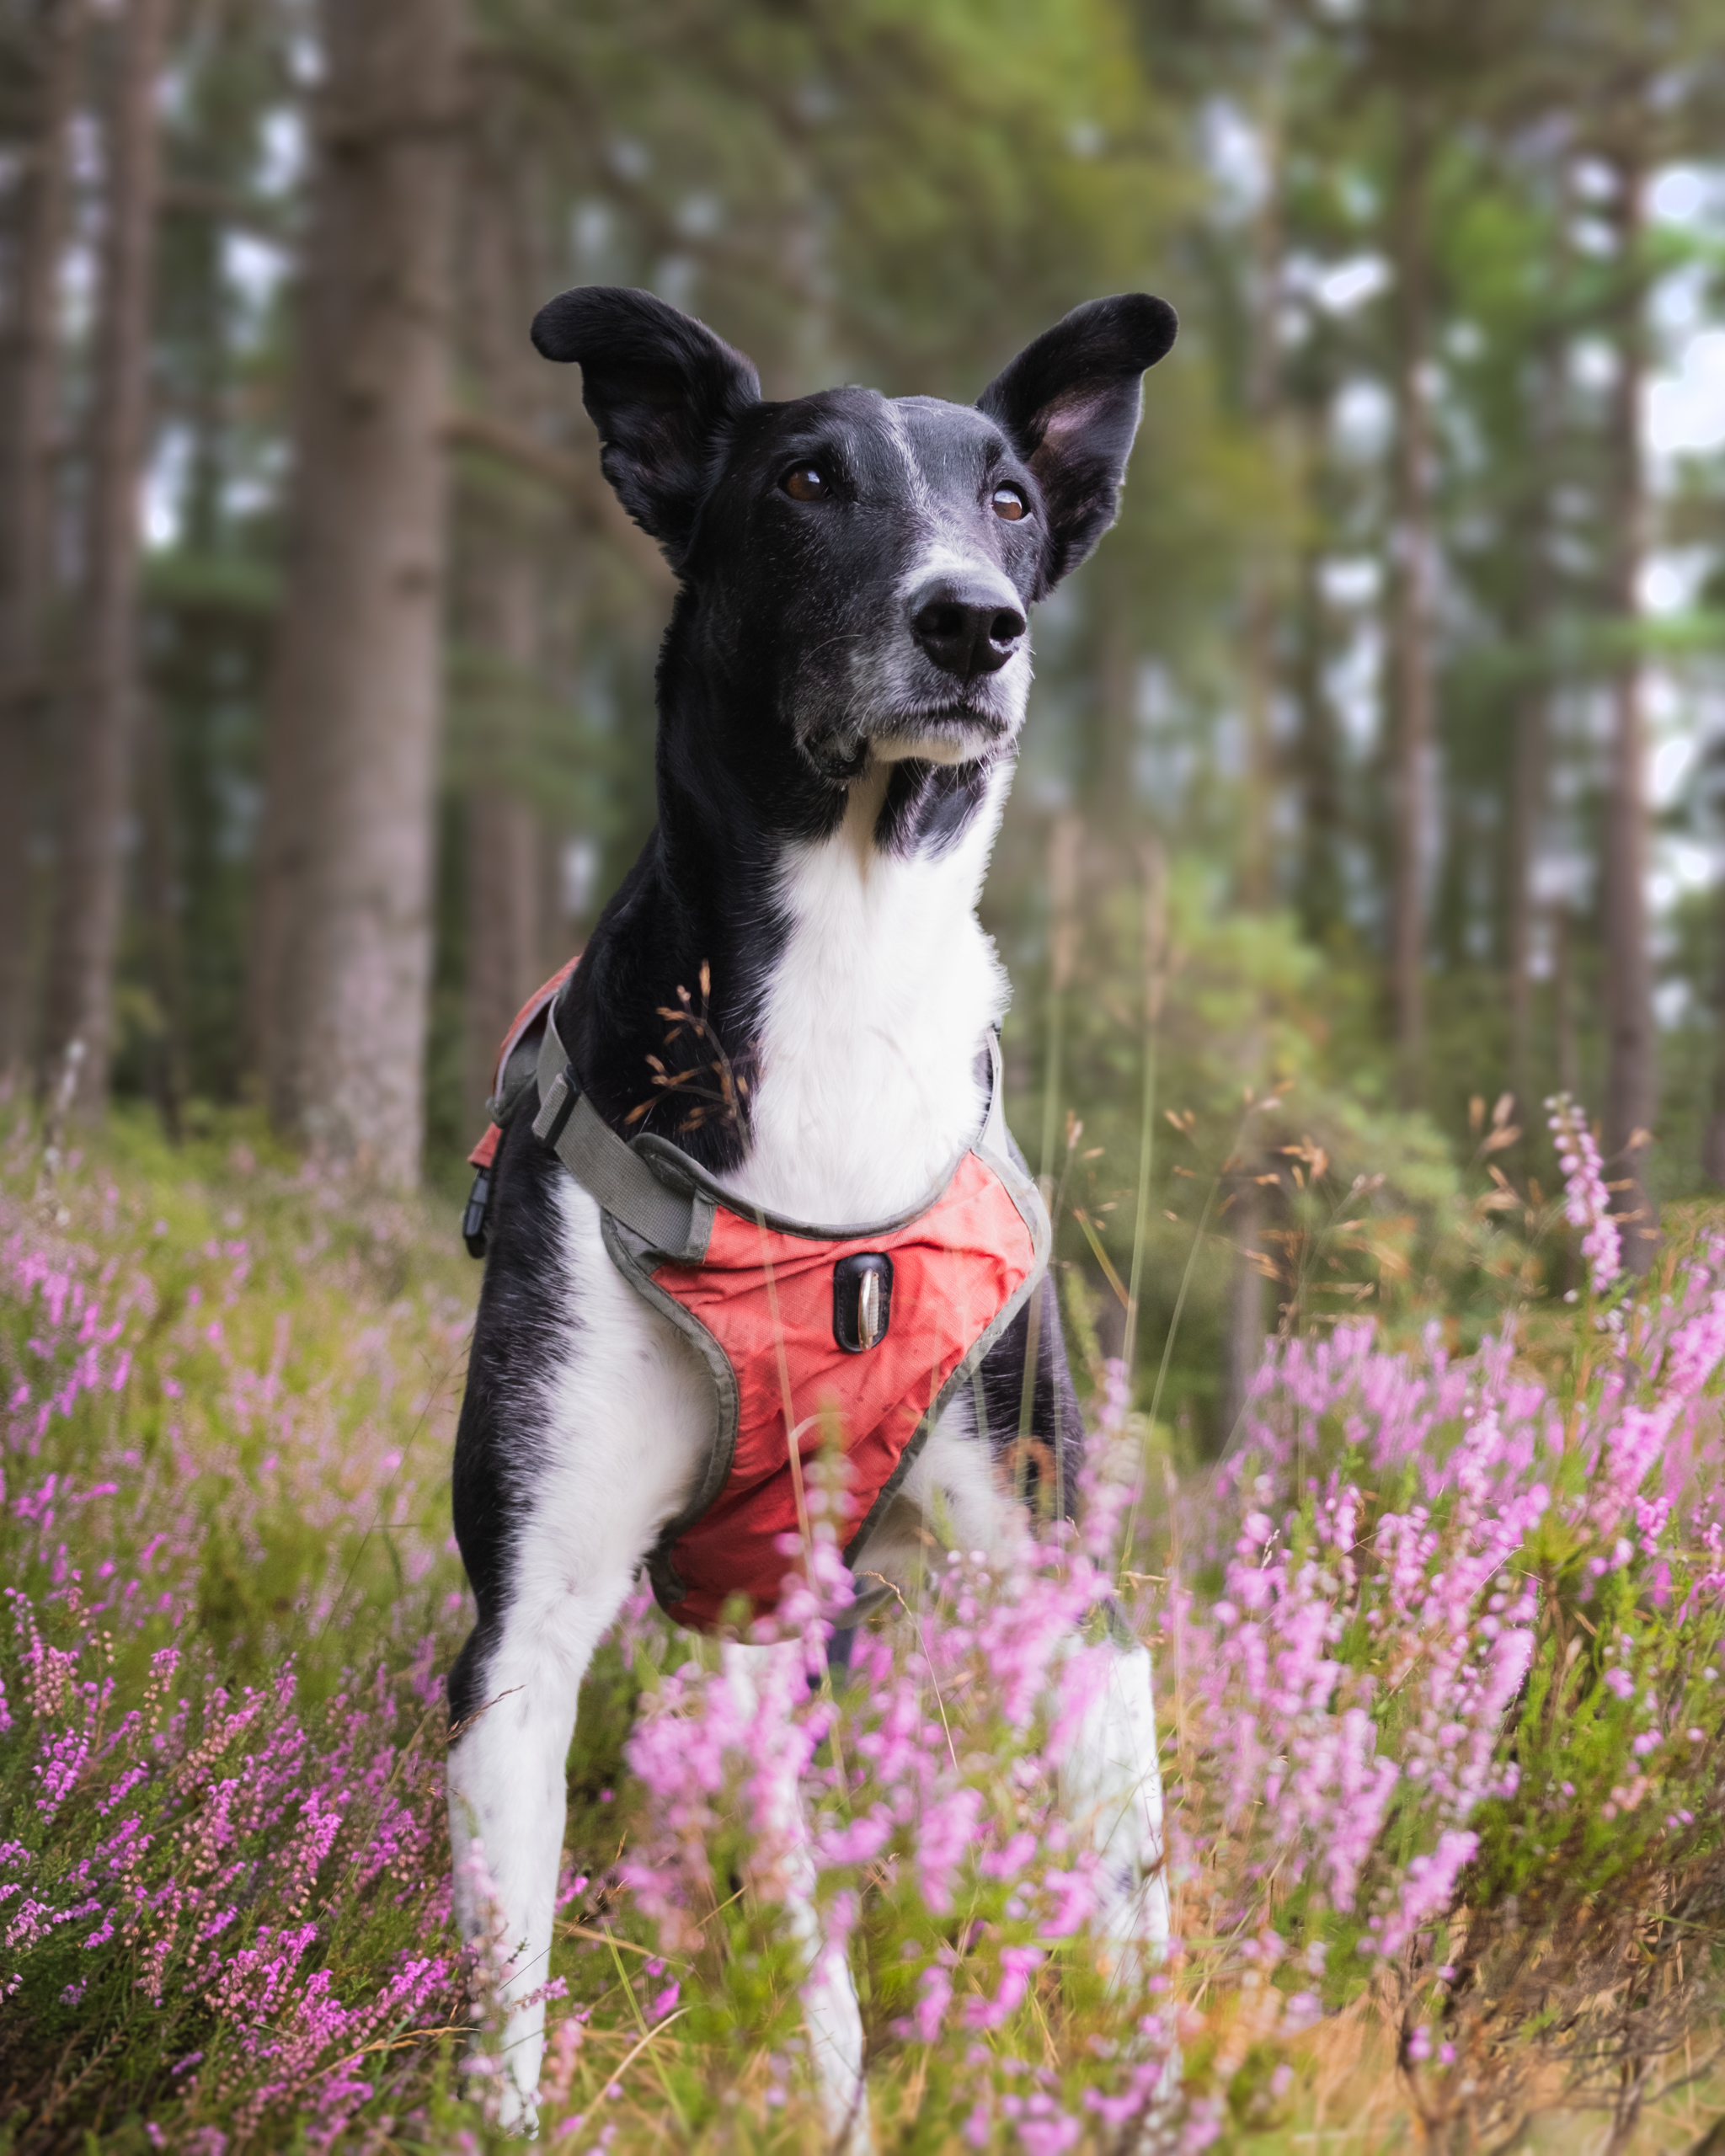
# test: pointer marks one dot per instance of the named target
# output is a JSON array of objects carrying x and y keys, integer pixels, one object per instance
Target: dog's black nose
[{"x": 968, "y": 625}]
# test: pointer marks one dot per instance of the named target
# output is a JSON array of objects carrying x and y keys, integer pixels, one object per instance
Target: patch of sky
[
  {"x": 1351, "y": 580},
  {"x": 1354, "y": 680},
  {"x": 1593, "y": 364},
  {"x": 1671, "y": 583},
  {"x": 254, "y": 270},
  {"x": 281, "y": 150},
  {"x": 592, "y": 225},
  {"x": 164, "y": 486},
  {"x": 578, "y": 877},
  {"x": 1685, "y": 408},
  {"x": 1362, "y": 419},
  {"x": 628, "y": 158},
  {"x": 1233, "y": 150},
  {"x": 700, "y": 215},
  {"x": 1349, "y": 285},
  {"x": 674, "y": 281},
  {"x": 1688, "y": 195}
]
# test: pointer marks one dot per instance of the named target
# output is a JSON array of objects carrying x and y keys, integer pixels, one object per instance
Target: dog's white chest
[{"x": 867, "y": 1087}]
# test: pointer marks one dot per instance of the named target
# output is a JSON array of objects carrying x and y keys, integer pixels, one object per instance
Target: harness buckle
[
  {"x": 565, "y": 1108},
  {"x": 474, "y": 1216},
  {"x": 862, "y": 1300}
]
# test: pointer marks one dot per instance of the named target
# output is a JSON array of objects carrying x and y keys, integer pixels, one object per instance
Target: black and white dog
[{"x": 841, "y": 692}]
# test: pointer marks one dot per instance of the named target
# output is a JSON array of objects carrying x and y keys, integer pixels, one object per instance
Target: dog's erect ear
[
  {"x": 663, "y": 391},
  {"x": 1071, "y": 402}
]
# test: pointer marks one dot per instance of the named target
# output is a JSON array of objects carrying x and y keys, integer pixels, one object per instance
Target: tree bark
[
  {"x": 29, "y": 372},
  {"x": 1243, "y": 1340},
  {"x": 1566, "y": 1046},
  {"x": 1113, "y": 811},
  {"x": 1409, "y": 644},
  {"x": 101, "y": 715},
  {"x": 1631, "y": 1079},
  {"x": 162, "y": 944},
  {"x": 503, "y": 935},
  {"x": 1317, "y": 752},
  {"x": 1527, "y": 794},
  {"x": 345, "y": 918},
  {"x": 1263, "y": 402},
  {"x": 499, "y": 612},
  {"x": 1531, "y": 750}
]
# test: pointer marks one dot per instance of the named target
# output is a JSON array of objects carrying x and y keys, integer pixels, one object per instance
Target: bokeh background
[{"x": 1373, "y": 787}]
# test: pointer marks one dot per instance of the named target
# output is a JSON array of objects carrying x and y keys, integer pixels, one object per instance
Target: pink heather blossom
[
  {"x": 934, "y": 1993},
  {"x": 1430, "y": 1886},
  {"x": 1587, "y": 1203}
]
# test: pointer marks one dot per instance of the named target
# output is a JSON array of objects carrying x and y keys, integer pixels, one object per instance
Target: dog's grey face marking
[{"x": 877, "y": 561}]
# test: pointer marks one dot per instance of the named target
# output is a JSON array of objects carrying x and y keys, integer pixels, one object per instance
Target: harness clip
[
  {"x": 473, "y": 1218},
  {"x": 862, "y": 1300}
]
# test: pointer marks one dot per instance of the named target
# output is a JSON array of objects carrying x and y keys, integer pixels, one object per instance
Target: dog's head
[{"x": 863, "y": 567}]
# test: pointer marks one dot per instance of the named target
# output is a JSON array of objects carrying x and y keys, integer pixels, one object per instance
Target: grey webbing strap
[
  {"x": 606, "y": 1168},
  {"x": 993, "y": 1133}
]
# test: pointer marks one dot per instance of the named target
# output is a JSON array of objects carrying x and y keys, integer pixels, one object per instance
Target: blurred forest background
[{"x": 1376, "y": 765}]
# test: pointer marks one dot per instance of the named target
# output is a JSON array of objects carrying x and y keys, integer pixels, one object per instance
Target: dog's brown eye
[
  {"x": 1010, "y": 503},
  {"x": 805, "y": 482}
]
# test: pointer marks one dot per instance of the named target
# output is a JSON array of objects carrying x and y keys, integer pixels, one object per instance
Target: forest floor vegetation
[{"x": 1440, "y": 1653}]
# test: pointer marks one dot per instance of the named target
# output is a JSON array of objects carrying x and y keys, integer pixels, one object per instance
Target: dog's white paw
[{"x": 517, "y": 2115}]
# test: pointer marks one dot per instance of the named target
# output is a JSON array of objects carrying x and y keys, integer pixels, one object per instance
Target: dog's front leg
[
  {"x": 766, "y": 1681},
  {"x": 506, "y": 1813},
  {"x": 1112, "y": 1789},
  {"x": 587, "y": 1420}
]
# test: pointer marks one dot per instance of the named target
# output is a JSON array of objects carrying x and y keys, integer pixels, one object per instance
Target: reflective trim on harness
[{"x": 752, "y": 1292}]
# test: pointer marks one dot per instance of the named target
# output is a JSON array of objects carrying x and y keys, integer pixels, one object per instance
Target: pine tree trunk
[
  {"x": 1409, "y": 645},
  {"x": 1631, "y": 1082},
  {"x": 1245, "y": 1323},
  {"x": 504, "y": 936},
  {"x": 102, "y": 704},
  {"x": 1528, "y": 772},
  {"x": 162, "y": 946},
  {"x": 1263, "y": 402},
  {"x": 1317, "y": 756},
  {"x": 1243, "y": 1340},
  {"x": 30, "y": 371},
  {"x": 1527, "y": 794},
  {"x": 345, "y": 917},
  {"x": 1565, "y": 1045},
  {"x": 1114, "y": 812},
  {"x": 499, "y": 607}
]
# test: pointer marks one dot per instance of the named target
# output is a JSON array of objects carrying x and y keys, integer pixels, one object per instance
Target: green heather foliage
[{"x": 1439, "y": 1662}]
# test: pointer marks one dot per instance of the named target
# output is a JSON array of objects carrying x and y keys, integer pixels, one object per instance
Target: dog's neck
[
  {"x": 850, "y": 984},
  {"x": 869, "y": 1083}
]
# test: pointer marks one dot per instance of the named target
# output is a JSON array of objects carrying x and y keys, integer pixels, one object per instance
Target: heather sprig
[{"x": 1587, "y": 1202}]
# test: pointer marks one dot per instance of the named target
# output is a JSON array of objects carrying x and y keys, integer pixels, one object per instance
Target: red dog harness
[{"x": 869, "y": 1331}]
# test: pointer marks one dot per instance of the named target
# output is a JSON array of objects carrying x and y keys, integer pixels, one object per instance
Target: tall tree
[
  {"x": 1527, "y": 781},
  {"x": 344, "y": 925},
  {"x": 34, "y": 239},
  {"x": 101, "y": 714},
  {"x": 1408, "y": 648},
  {"x": 498, "y": 595},
  {"x": 1632, "y": 1073}
]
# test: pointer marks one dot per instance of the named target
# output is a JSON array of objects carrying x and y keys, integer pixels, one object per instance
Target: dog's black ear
[
  {"x": 663, "y": 391},
  {"x": 1070, "y": 401}
]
